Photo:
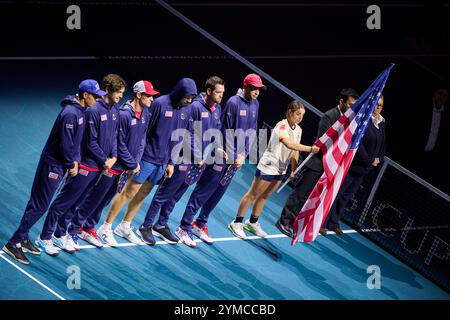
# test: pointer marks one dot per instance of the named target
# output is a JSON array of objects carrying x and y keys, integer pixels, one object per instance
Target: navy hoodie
[
  {"x": 210, "y": 119},
  {"x": 100, "y": 137},
  {"x": 165, "y": 117},
  {"x": 131, "y": 137},
  {"x": 63, "y": 144},
  {"x": 240, "y": 113}
]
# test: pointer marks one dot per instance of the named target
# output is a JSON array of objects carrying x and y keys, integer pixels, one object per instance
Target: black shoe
[
  {"x": 165, "y": 234},
  {"x": 146, "y": 235},
  {"x": 27, "y": 246},
  {"x": 284, "y": 229},
  {"x": 323, "y": 231},
  {"x": 15, "y": 253}
]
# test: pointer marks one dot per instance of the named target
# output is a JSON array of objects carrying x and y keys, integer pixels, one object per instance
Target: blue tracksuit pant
[
  {"x": 62, "y": 209},
  {"x": 206, "y": 195},
  {"x": 46, "y": 182},
  {"x": 166, "y": 197},
  {"x": 88, "y": 213}
]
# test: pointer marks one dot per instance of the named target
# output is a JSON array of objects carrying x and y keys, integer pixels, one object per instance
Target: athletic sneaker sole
[
  {"x": 156, "y": 233},
  {"x": 32, "y": 252},
  {"x": 139, "y": 234},
  {"x": 205, "y": 241},
  {"x": 9, "y": 253},
  {"x": 234, "y": 233},
  {"x": 42, "y": 249},
  {"x": 249, "y": 229}
]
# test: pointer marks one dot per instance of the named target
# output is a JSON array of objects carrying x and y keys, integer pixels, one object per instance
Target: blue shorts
[
  {"x": 268, "y": 177},
  {"x": 150, "y": 172}
]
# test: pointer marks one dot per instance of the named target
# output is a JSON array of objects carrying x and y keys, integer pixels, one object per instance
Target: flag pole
[{"x": 295, "y": 172}]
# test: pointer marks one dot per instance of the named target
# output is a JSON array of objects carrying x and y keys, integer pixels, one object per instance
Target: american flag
[{"x": 338, "y": 145}]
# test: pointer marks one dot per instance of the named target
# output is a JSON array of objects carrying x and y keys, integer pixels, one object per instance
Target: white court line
[{"x": 32, "y": 278}]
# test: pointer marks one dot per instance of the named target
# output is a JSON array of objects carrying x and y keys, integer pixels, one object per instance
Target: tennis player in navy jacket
[
  {"x": 99, "y": 152},
  {"x": 61, "y": 154}
]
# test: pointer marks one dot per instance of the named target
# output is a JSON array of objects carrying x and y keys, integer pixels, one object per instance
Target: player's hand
[
  {"x": 315, "y": 149},
  {"x": 239, "y": 161},
  {"x": 137, "y": 169},
  {"x": 74, "y": 171},
  {"x": 223, "y": 153},
  {"x": 109, "y": 162},
  {"x": 169, "y": 171},
  {"x": 375, "y": 162}
]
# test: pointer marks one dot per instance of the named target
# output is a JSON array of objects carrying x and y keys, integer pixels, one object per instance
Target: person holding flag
[
  {"x": 283, "y": 148},
  {"x": 313, "y": 169},
  {"x": 339, "y": 145}
]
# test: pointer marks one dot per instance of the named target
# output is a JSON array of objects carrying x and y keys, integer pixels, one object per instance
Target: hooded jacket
[
  {"x": 131, "y": 137},
  {"x": 100, "y": 138},
  {"x": 63, "y": 144},
  {"x": 240, "y": 113},
  {"x": 165, "y": 117}
]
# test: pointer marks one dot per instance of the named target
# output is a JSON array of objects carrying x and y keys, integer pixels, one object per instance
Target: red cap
[
  {"x": 254, "y": 80},
  {"x": 144, "y": 86}
]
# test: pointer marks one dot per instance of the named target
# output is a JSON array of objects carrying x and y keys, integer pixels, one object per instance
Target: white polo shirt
[{"x": 277, "y": 156}]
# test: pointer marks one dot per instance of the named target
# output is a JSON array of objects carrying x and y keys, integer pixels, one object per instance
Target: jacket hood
[
  {"x": 70, "y": 100},
  {"x": 185, "y": 87}
]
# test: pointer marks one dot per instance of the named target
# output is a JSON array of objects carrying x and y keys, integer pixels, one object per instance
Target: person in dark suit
[
  {"x": 313, "y": 169},
  {"x": 369, "y": 155}
]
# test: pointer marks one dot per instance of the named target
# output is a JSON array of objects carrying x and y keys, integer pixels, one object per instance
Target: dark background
[{"x": 314, "y": 49}]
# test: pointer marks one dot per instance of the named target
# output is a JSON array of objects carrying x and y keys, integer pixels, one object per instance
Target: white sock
[
  {"x": 107, "y": 225},
  {"x": 126, "y": 224}
]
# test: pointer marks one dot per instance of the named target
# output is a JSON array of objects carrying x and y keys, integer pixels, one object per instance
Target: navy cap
[{"x": 92, "y": 87}]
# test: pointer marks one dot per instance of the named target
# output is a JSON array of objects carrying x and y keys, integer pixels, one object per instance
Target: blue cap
[{"x": 92, "y": 87}]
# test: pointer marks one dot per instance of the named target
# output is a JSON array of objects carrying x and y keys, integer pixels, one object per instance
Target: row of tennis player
[{"x": 101, "y": 152}]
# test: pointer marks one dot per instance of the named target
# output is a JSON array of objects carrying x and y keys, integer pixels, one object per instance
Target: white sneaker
[
  {"x": 107, "y": 236},
  {"x": 255, "y": 228},
  {"x": 127, "y": 233},
  {"x": 91, "y": 237},
  {"x": 63, "y": 243},
  {"x": 73, "y": 241},
  {"x": 202, "y": 233},
  {"x": 237, "y": 228},
  {"x": 185, "y": 238},
  {"x": 47, "y": 246}
]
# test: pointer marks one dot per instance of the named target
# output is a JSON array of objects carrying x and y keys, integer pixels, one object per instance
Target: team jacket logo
[
  {"x": 133, "y": 122},
  {"x": 80, "y": 121},
  {"x": 254, "y": 114},
  {"x": 103, "y": 117},
  {"x": 143, "y": 119},
  {"x": 216, "y": 115},
  {"x": 83, "y": 172},
  {"x": 69, "y": 126},
  {"x": 243, "y": 113},
  {"x": 205, "y": 114},
  {"x": 183, "y": 116},
  {"x": 114, "y": 117},
  {"x": 53, "y": 175},
  {"x": 168, "y": 114}
]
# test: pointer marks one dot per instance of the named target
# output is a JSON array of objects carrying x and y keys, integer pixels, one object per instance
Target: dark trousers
[
  {"x": 166, "y": 197},
  {"x": 206, "y": 195},
  {"x": 45, "y": 184},
  {"x": 298, "y": 196},
  {"x": 349, "y": 187},
  {"x": 88, "y": 213},
  {"x": 61, "y": 211}
]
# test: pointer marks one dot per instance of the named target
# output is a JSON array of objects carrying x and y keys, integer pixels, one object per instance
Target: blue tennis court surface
[{"x": 333, "y": 267}]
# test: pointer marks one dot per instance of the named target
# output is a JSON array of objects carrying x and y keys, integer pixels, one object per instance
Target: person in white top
[{"x": 283, "y": 148}]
